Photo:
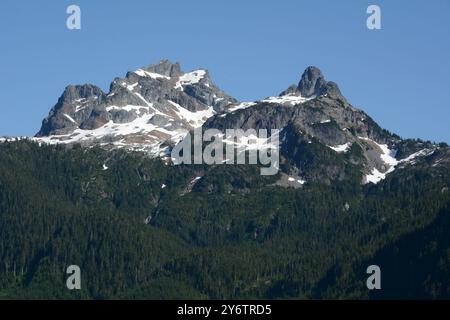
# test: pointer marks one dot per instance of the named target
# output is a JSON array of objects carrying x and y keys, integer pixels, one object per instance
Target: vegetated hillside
[{"x": 141, "y": 229}]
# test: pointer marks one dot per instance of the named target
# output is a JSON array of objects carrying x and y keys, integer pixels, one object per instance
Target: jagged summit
[
  {"x": 74, "y": 92},
  {"x": 166, "y": 68},
  {"x": 313, "y": 84}
]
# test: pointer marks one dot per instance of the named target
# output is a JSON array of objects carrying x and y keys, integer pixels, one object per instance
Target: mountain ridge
[{"x": 152, "y": 108}]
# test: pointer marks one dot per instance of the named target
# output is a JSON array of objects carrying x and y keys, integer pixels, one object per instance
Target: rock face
[
  {"x": 166, "y": 68},
  {"x": 312, "y": 82},
  {"x": 323, "y": 137}
]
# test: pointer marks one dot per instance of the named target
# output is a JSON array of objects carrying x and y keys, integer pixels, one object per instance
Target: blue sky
[{"x": 399, "y": 75}]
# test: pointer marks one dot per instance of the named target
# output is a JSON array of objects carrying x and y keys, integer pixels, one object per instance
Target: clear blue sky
[{"x": 399, "y": 75}]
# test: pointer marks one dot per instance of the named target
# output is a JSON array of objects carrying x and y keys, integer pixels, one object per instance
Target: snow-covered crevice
[
  {"x": 69, "y": 118},
  {"x": 131, "y": 87},
  {"x": 195, "y": 119},
  {"x": 376, "y": 176},
  {"x": 388, "y": 157},
  {"x": 341, "y": 148}
]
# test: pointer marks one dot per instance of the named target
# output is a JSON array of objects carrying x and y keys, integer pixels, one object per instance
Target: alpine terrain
[{"x": 97, "y": 187}]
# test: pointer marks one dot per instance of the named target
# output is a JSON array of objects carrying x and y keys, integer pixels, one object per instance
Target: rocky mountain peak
[
  {"x": 312, "y": 82},
  {"x": 85, "y": 91},
  {"x": 165, "y": 68}
]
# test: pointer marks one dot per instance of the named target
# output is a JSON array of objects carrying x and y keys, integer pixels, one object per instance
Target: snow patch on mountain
[
  {"x": 252, "y": 142},
  {"x": 300, "y": 181},
  {"x": 132, "y": 86},
  {"x": 388, "y": 157},
  {"x": 69, "y": 117},
  {"x": 153, "y": 75},
  {"x": 422, "y": 153},
  {"x": 196, "y": 119},
  {"x": 290, "y": 99},
  {"x": 138, "y": 135},
  {"x": 240, "y": 106},
  {"x": 375, "y": 176},
  {"x": 341, "y": 148},
  {"x": 190, "y": 78}
]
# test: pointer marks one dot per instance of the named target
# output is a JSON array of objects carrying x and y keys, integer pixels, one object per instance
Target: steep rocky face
[
  {"x": 323, "y": 137},
  {"x": 166, "y": 68},
  {"x": 61, "y": 119},
  {"x": 312, "y": 82}
]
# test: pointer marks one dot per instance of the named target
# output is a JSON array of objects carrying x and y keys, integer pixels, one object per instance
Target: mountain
[
  {"x": 153, "y": 108},
  {"x": 147, "y": 110},
  {"x": 318, "y": 124},
  {"x": 96, "y": 188}
]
